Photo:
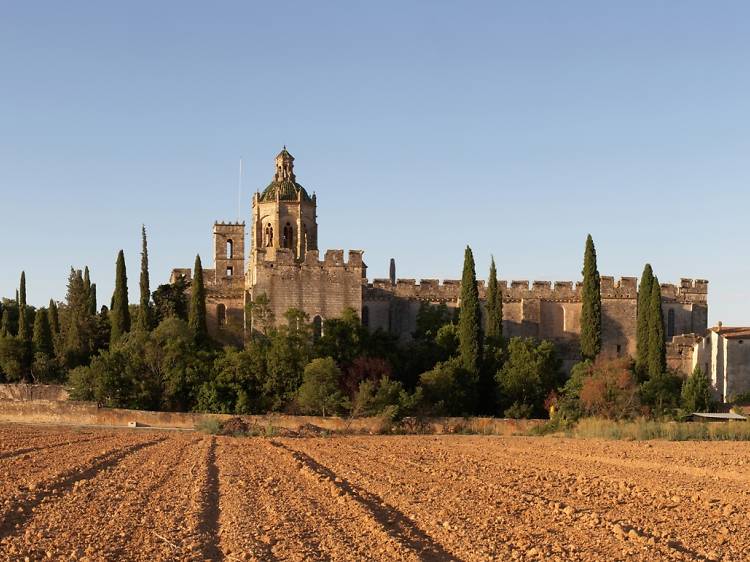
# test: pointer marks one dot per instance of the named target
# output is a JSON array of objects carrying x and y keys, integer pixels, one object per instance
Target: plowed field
[{"x": 85, "y": 494}]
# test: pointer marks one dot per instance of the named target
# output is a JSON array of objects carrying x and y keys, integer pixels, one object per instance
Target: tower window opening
[
  {"x": 221, "y": 314},
  {"x": 230, "y": 249},
  {"x": 269, "y": 235},
  {"x": 317, "y": 327},
  {"x": 288, "y": 241},
  {"x": 230, "y": 271}
]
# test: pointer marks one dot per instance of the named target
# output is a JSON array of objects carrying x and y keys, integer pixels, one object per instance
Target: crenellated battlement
[
  {"x": 516, "y": 290},
  {"x": 273, "y": 257}
]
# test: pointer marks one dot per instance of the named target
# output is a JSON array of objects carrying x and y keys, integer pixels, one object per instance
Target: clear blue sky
[{"x": 422, "y": 126}]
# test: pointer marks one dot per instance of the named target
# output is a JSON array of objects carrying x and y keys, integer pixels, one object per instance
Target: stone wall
[
  {"x": 84, "y": 413},
  {"x": 20, "y": 391},
  {"x": 323, "y": 288},
  {"x": 545, "y": 310}
]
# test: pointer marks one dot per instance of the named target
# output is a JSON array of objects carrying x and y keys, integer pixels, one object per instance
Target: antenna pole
[{"x": 239, "y": 195}]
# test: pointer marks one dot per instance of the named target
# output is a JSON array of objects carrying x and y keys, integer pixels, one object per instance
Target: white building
[{"x": 724, "y": 355}]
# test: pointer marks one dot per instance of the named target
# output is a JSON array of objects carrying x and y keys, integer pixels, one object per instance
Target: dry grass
[{"x": 643, "y": 430}]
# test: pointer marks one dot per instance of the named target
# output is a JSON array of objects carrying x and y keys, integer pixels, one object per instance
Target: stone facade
[
  {"x": 724, "y": 355},
  {"x": 285, "y": 267}
]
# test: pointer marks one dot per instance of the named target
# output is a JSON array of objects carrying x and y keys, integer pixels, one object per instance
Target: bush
[
  {"x": 209, "y": 425},
  {"x": 610, "y": 390},
  {"x": 661, "y": 393}
]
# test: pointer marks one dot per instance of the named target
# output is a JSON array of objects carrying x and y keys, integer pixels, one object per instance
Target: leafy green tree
[
  {"x": 657, "y": 353},
  {"x": 696, "y": 395},
  {"x": 170, "y": 300},
  {"x": 42, "y": 339},
  {"x": 469, "y": 318},
  {"x": 120, "y": 313},
  {"x": 144, "y": 312},
  {"x": 591, "y": 310},
  {"x": 197, "y": 320},
  {"x": 494, "y": 306},
  {"x": 661, "y": 393},
  {"x": 320, "y": 392},
  {"x": 5, "y": 327},
  {"x": 260, "y": 313},
  {"x": 343, "y": 339},
  {"x": 530, "y": 372},
  {"x": 235, "y": 384},
  {"x": 449, "y": 388},
  {"x": 384, "y": 397},
  {"x": 13, "y": 352},
  {"x": 642, "y": 329},
  {"x": 288, "y": 350}
]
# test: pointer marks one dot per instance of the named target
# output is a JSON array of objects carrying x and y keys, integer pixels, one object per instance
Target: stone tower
[
  {"x": 229, "y": 250},
  {"x": 284, "y": 215}
]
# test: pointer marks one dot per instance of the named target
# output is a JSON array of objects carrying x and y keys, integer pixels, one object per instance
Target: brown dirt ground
[{"x": 89, "y": 494}]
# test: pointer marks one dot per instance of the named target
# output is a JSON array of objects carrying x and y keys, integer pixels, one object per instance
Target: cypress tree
[
  {"x": 197, "y": 320},
  {"x": 591, "y": 311},
  {"x": 657, "y": 359},
  {"x": 54, "y": 320},
  {"x": 644, "y": 306},
  {"x": 120, "y": 314},
  {"x": 494, "y": 308},
  {"x": 92, "y": 300},
  {"x": 24, "y": 329},
  {"x": 469, "y": 318},
  {"x": 42, "y": 339},
  {"x": 86, "y": 280},
  {"x": 144, "y": 311}
]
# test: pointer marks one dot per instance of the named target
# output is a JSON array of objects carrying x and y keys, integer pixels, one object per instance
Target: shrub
[
  {"x": 696, "y": 395},
  {"x": 610, "y": 390}
]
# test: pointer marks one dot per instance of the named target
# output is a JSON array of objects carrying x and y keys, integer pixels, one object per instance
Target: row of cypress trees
[
  {"x": 651, "y": 347},
  {"x": 120, "y": 310}
]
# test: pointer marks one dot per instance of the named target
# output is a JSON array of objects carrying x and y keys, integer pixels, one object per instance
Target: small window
[
  {"x": 740, "y": 341},
  {"x": 317, "y": 327},
  {"x": 230, "y": 249},
  {"x": 229, "y": 271},
  {"x": 619, "y": 350},
  {"x": 366, "y": 317},
  {"x": 221, "y": 314},
  {"x": 670, "y": 323}
]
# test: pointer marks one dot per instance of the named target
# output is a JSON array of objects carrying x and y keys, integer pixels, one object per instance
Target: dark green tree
[
  {"x": 145, "y": 321},
  {"x": 42, "y": 334},
  {"x": 591, "y": 310},
  {"x": 120, "y": 313},
  {"x": 197, "y": 320},
  {"x": 170, "y": 301},
  {"x": 696, "y": 393},
  {"x": 469, "y": 318},
  {"x": 494, "y": 307},
  {"x": 86, "y": 280},
  {"x": 657, "y": 357},
  {"x": 5, "y": 329},
  {"x": 54, "y": 319},
  {"x": 24, "y": 324},
  {"x": 644, "y": 307},
  {"x": 78, "y": 325},
  {"x": 92, "y": 299}
]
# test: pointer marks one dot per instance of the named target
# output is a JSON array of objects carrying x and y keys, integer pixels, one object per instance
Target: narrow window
[
  {"x": 229, "y": 271},
  {"x": 288, "y": 241},
  {"x": 317, "y": 327},
  {"x": 366, "y": 317},
  {"x": 670, "y": 323},
  {"x": 619, "y": 350},
  {"x": 221, "y": 314},
  {"x": 230, "y": 249}
]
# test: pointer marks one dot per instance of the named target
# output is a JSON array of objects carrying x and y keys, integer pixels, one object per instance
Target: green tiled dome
[{"x": 288, "y": 191}]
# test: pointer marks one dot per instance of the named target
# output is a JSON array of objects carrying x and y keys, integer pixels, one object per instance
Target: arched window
[
  {"x": 670, "y": 323},
  {"x": 269, "y": 235},
  {"x": 221, "y": 314},
  {"x": 365, "y": 316},
  {"x": 230, "y": 249},
  {"x": 288, "y": 241},
  {"x": 317, "y": 327}
]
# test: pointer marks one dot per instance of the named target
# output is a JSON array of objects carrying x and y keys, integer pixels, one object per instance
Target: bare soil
[{"x": 87, "y": 494}]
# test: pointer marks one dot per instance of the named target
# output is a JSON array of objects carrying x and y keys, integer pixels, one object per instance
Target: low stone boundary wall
[
  {"x": 86, "y": 413},
  {"x": 21, "y": 391}
]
